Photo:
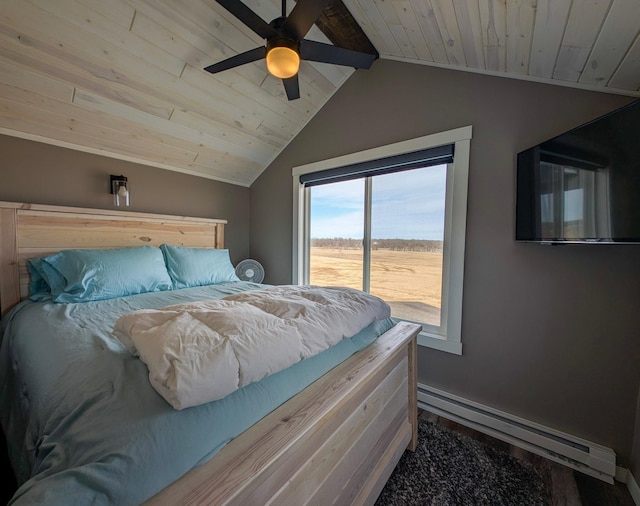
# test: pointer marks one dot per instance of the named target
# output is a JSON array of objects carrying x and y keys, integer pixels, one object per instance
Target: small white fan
[{"x": 250, "y": 270}]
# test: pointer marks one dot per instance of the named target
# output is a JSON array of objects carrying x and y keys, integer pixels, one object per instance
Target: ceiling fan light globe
[{"x": 283, "y": 62}]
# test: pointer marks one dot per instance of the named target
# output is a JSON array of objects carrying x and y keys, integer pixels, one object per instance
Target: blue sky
[{"x": 406, "y": 205}]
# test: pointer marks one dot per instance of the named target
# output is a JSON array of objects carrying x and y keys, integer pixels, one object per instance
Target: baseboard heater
[{"x": 585, "y": 456}]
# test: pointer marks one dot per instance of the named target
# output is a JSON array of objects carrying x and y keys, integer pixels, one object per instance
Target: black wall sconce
[{"x": 120, "y": 190}]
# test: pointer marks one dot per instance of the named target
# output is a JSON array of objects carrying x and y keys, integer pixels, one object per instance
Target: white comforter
[{"x": 202, "y": 351}]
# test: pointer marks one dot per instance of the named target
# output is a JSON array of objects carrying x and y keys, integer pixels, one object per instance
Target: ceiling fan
[{"x": 285, "y": 43}]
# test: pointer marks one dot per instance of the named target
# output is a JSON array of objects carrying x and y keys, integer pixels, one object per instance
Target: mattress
[{"x": 85, "y": 426}]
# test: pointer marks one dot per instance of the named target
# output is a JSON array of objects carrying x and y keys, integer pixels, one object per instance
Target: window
[
  {"x": 574, "y": 201},
  {"x": 390, "y": 221}
]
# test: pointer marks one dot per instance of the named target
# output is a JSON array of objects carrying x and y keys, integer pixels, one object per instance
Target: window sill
[
  {"x": 435, "y": 341},
  {"x": 439, "y": 343}
]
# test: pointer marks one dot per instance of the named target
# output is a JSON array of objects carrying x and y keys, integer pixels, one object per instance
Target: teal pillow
[
  {"x": 198, "y": 266},
  {"x": 86, "y": 275},
  {"x": 39, "y": 289}
]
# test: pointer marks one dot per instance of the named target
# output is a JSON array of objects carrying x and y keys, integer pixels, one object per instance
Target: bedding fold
[{"x": 202, "y": 351}]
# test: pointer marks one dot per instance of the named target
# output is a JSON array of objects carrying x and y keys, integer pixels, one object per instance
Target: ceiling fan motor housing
[{"x": 283, "y": 42}]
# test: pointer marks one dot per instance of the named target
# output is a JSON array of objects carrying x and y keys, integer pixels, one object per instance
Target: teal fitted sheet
[{"x": 84, "y": 425}]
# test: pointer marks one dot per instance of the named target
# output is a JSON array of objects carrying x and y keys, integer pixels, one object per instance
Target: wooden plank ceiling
[
  {"x": 124, "y": 78},
  {"x": 594, "y": 44}
]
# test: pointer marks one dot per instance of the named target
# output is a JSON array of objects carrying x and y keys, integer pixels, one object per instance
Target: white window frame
[{"x": 448, "y": 336}]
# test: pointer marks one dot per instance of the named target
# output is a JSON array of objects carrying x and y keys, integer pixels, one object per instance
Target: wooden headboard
[{"x": 31, "y": 230}]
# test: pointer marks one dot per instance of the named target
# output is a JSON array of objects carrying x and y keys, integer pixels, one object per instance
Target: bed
[{"x": 331, "y": 434}]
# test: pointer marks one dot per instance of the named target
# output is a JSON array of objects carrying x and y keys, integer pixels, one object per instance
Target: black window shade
[{"x": 396, "y": 163}]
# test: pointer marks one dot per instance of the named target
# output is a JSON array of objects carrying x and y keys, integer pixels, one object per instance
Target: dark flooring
[{"x": 566, "y": 486}]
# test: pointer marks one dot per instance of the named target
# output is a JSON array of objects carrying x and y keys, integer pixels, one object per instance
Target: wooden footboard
[{"x": 336, "y": 442}]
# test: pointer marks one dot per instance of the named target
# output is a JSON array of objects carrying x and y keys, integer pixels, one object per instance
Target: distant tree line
[{"x": 380, "y": 244}]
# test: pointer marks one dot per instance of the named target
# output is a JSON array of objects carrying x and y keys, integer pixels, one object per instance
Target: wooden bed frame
[{"x": 336, "y": 442}]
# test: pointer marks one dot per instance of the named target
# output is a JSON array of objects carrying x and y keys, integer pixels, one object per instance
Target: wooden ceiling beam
[{"x": 340, "y": 27}]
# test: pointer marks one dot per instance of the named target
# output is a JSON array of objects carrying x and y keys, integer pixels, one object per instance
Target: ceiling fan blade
[
  {"x": 302, "y": 16},
  {"x": 326, "y": 53},
  {"x": 249, "y": 18},
  {"x": 292, "y": 87},
  {"x": 239, "y": 59}
]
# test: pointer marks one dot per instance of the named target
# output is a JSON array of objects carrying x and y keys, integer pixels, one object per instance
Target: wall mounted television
[{"x": 583, "y": 186}]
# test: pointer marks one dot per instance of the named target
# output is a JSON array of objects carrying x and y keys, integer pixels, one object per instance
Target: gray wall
[
  {"x": 549, "y": 333},
  {"x": 40, "y": 173}
]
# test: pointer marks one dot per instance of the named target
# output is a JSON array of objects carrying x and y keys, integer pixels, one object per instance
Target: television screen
[{"x": 583, "y": 185}]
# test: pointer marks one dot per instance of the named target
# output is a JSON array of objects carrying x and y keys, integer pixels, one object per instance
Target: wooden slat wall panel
[
  {"x": 55, "y": 233},
  {"x": 9, "y": 282},
  {"x": 41, "y": 233},
  {"x": 27, "y": 231}
]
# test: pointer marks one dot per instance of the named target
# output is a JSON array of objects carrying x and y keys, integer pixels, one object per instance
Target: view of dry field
[{"x": 409, "y": 281}]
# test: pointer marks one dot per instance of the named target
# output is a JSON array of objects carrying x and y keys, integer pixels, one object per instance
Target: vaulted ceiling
[{"x": 125, "y": 78}]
